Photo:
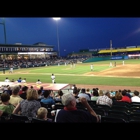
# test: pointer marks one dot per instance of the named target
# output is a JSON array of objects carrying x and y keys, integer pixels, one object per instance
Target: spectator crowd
[{"x": 77, "y": 105}]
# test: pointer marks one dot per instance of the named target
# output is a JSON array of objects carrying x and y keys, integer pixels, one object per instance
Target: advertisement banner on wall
[{"x": 116, "y": 57}]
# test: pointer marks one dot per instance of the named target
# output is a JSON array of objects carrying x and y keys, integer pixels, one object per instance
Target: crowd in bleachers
[
  {"x": 28, "y": 105},
  {"x": 38, "y": 62}
]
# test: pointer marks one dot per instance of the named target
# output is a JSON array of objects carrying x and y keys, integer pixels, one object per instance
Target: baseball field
[{"x": 125, "y": 76}]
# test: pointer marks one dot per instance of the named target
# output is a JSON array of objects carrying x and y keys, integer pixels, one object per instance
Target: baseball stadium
[
  {"x": 103, "y": 76},
  {"x": 109, "y": 70}
]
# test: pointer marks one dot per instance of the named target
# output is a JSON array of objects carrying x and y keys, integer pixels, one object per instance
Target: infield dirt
[{"x": 128, "y": 70}]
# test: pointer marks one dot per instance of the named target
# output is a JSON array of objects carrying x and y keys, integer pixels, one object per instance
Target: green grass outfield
[{"x": 66, "y": 74}]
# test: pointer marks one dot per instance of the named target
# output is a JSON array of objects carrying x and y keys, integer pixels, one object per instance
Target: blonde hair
[
  {"x": 101, "y": 93},
  {"x": 42, "y": 113},
  {"x": 32, "y": 94}
]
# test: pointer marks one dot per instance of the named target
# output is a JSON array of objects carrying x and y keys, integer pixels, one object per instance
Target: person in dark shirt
[
  {"x": 70, "y": 114},
  {"x": 47, "y": 98},
  {"x": 74, "y": 87},
  {"x": 75, "y": 93},
  {"x": 24, "y": 92},
  {"x": 19, "y": 80},
  {"x": 128, "y": 93}
]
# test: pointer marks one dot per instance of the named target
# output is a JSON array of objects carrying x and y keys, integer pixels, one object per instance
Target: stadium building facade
[{"x": 20, "y": 51}]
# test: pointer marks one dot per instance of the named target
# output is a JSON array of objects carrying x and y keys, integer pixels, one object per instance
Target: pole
[
  {"x": 4, "y": 30},
  {"x": 57, "y": 35},
  {"x": 3, "y": 23},
  {"x": 58, "y": 39},
  {"x": 110, "y": 47}
]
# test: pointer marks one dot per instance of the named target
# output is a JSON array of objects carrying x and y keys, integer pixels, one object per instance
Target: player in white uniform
[
  {"x": 6, "y": 80},
  {"x": 91, "y": 67},
  {"x": 11, "y": 70},
  {"x": 53, "y": 78},
  {"x": 38, "y": 81},
  {"x": 110, "y": 64},
  {"x": 23, "y": 81}
]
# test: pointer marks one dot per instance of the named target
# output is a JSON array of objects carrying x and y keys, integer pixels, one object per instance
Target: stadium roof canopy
[{"x": 119, "y": 50}]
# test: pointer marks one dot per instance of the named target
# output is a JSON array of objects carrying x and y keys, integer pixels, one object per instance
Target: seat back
[
  {"x": 19, "y": 118},
  {"x": 134, "y": 116},
  {"x": 58, "y": 106},
  {"x": 134, "y": 121},
  {"x": 100, "y": 111},
  {"x": 92, "y": 103},
  {"x": 36, "y": 120},
  {"x": 120, "y": 108},
  {"x": 105, "y": 107},
  {"x": 48, "y": 106},
  {"x": 135, "y": 103},
  {"x": 107, "y": 119},
  {"x": 122, "y": 103},
  {"x": 58, "y": 102},
  {"x": 80, "y": 106},
  {"x": 118, "y": 114},
  {"x": 134, "y": 109}
]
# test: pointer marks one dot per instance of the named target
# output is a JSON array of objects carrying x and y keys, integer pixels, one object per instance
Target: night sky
[{"x": 74, "y": 33}]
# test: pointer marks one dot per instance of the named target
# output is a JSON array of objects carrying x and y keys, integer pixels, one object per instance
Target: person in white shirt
[
  {"x": 82, "y": 93},
  {"x": 91, "y": 67},
  {"x": 11, "y": 70},
  {"x": 7, "y": 80},
  {"x": 123, "y": 62},
  {"x": 110, "y": 64},
  {"x": 24, "y": 80},
  {"x": 135, "y": 97},
  {"x": 38, "y": 81},
  {"x": 53, "y": 78}
]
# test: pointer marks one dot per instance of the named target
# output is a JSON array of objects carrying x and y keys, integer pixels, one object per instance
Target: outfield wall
[{"x": 96, "y": 59}]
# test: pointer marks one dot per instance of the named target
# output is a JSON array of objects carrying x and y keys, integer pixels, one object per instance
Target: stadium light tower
[
  {"x": 56, "y": 19},
  {"x": 3, "y": 23}
]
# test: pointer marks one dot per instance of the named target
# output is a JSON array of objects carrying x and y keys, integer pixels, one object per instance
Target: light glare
[{"x": 56, "y": 18}]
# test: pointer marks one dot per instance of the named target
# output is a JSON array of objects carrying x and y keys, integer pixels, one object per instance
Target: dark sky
[{"x": 74, "y": 33}]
